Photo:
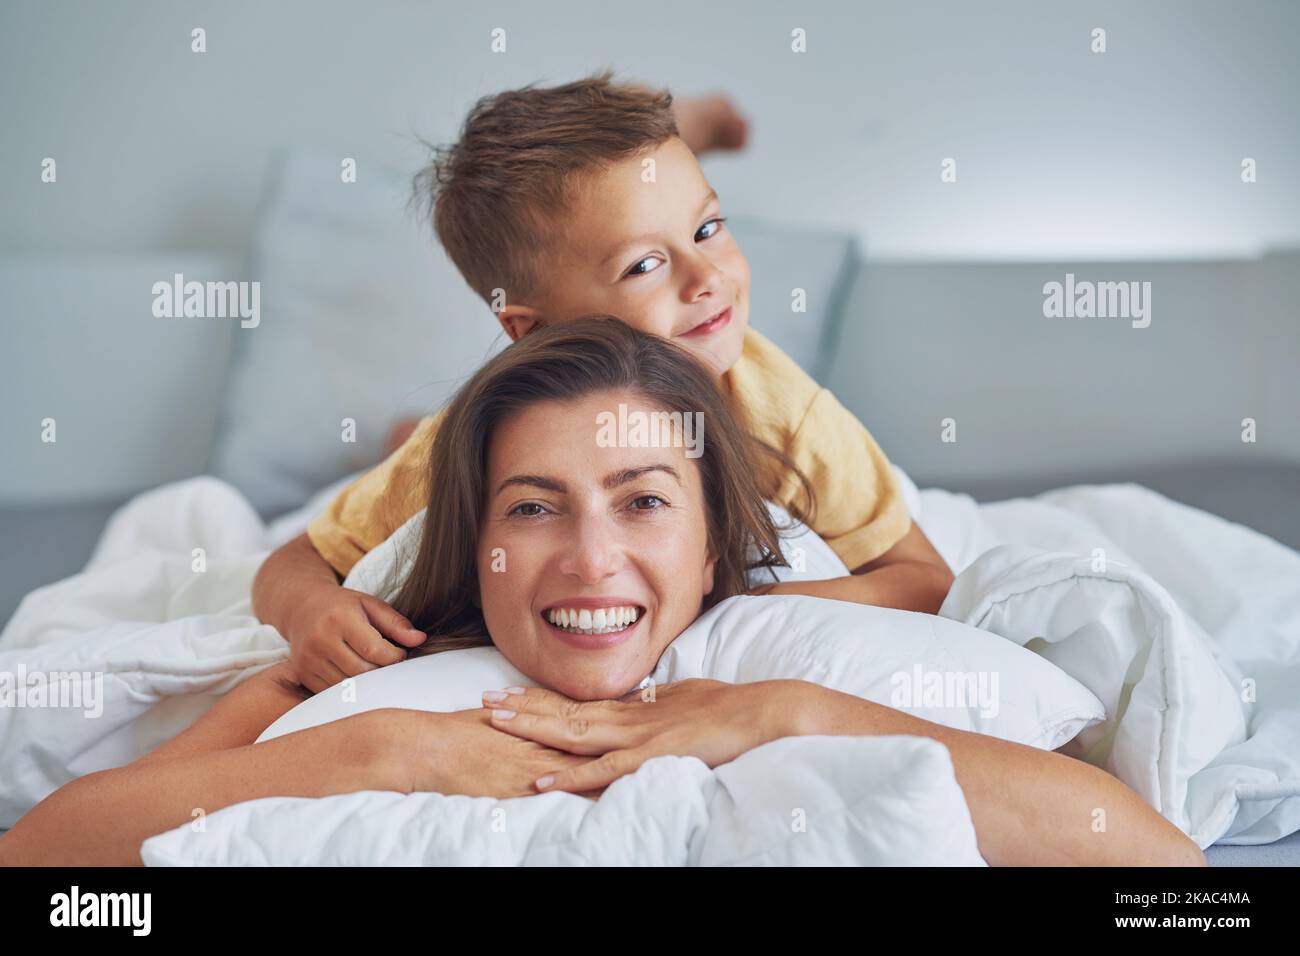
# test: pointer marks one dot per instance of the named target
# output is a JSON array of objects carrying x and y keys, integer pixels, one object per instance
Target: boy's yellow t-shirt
[{"x": 860, "y": 511}]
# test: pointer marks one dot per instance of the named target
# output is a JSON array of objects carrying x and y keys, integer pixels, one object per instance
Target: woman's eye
[
  {"x": 648, "y": 503},
  {"x": 709, "y": 229},
  {"x": 650, "y": 264},
  {"x": 529, "y": 509}
]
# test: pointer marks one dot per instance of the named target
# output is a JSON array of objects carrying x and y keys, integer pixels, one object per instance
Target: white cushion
[
  {"x": 896, "y": 658},
  {"x": 363, "y": 317}
]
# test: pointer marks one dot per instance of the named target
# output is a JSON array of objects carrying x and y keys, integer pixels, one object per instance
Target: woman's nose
[{"x": 594, "y": 552}]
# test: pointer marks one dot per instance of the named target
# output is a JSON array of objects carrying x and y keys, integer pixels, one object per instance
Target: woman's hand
[
  {"x": 708, "y": 719},
  {"x": 462, "y": 753}
]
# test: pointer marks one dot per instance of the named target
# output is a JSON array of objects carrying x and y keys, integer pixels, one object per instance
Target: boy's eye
[
  {"x": 650, "y": 264},
  {"x": 709, "y": 229}
]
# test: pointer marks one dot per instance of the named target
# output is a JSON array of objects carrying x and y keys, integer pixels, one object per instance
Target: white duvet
[{"x": 1185, "y": 627}]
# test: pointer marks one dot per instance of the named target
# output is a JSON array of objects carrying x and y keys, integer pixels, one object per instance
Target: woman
[{"x": 581, "y": 551}]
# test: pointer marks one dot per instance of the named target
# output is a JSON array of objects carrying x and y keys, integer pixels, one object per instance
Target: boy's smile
[
  {"x": 715, "y": 323},
  {"x": 644, "y": 240}
]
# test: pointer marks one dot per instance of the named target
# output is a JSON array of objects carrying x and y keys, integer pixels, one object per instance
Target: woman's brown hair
[{"x": 563, "y": 362}]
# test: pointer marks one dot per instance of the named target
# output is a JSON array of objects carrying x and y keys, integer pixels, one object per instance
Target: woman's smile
[{"x": 594, "y": 624}]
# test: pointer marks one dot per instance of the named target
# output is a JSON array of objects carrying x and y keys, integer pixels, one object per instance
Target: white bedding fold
[
  {"x": 1186, "y": 625},
  {"x": 886, "y": 801}
]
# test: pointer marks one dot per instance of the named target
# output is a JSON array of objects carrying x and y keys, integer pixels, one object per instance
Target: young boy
[{"x": 562, "y": 202}]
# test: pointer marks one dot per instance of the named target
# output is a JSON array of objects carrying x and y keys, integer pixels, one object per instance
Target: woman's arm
[
  {"x": 239, "y": 717},
  {"x": 102, "y": 818},
  {"x": 1030, "y": 807}
]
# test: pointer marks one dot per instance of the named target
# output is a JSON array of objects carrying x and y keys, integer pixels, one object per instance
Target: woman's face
[{"x": 573, "y": 531}]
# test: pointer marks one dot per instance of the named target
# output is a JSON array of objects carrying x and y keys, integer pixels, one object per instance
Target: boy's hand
[{"x": 338, "y": 633}]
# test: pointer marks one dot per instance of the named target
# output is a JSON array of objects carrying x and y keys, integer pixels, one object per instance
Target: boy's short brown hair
[{"x": 519, "y": 154}]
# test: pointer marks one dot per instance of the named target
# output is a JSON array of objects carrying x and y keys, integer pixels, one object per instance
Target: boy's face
[{"x": 656, "y": 254}]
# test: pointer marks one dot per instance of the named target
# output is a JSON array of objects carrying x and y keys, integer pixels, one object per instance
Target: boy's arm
[
  {"x": 910, "y": 576},
  {"x": 333, "y": 631},
  {"x": 706, "y": 123}
]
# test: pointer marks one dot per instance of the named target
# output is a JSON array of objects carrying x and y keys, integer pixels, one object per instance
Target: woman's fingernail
[
  {"x": 494, "y": 695},
  {"x": 514, "y": 690},
  {"x": 503, "y": 714},
  {"x": 544, "y": 782}
]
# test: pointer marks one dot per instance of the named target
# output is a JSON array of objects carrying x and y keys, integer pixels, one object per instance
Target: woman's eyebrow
[
  {"x": 533, "y": 481},
  {"x": 622, "y": 477},
  {"x": 612, "y": 480}
]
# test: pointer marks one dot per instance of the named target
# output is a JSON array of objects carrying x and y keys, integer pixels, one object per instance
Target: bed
[{"x": 219, "y": 405}]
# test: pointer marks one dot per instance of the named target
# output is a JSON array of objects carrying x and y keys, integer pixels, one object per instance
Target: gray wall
[
  {"x": 1116, "y": 165},
  {"x": 1062, "y": 153}
]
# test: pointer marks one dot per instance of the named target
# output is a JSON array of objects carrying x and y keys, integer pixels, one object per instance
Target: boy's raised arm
[
  {"x": 335, "y": 632},
  {"x": 910, "y": 576}
]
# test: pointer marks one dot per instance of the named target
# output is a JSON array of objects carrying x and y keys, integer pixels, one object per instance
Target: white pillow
[{"x": 933, "y": 667}]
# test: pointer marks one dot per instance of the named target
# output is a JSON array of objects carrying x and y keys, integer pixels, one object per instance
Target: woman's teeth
[{"x": 603, "y": 620}]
